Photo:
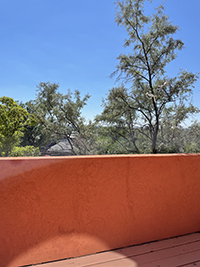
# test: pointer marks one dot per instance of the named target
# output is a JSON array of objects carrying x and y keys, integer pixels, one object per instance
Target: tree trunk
[{"x": 154, "y": 141}]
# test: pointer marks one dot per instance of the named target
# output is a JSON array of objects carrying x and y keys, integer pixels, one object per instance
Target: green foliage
[
  {"x": 59, "y": 117},
  {"x": 153, "y": 46},
  {"x": 27, "y": 151},
  {"x": 13, "y": 119},
  {"x": 34, "y": 134},
  {"x": 117, "y": 119},
  {"x": 153, "y": 99}
]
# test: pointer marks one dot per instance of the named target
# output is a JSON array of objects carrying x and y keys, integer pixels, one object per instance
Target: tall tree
[
  {"x": 60, "y": 117},
  {"x": 152, "y": 96}
]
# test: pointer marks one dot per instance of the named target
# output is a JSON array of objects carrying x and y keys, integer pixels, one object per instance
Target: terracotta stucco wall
[{"x": 55, "y": 208}]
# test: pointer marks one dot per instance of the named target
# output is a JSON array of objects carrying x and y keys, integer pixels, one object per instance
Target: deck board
[{"x": 173, "y": 252}]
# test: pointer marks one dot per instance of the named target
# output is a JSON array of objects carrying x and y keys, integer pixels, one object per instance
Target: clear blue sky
[{"x": 76, "y": 43}]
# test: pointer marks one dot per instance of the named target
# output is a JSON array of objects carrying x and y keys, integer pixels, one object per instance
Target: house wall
[{"x": 56, "y": 208}]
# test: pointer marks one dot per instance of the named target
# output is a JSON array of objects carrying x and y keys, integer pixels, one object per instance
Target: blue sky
[{"x": 76, "y": 43}]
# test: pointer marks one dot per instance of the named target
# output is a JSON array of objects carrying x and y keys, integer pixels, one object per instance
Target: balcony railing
[{"x": 54, "y": 208}]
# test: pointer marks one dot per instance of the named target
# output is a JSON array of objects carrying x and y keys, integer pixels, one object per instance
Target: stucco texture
[{"x": 60, "y": 207}]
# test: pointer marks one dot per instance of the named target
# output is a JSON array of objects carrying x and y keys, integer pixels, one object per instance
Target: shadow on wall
[{"x": 57, "y": 208}]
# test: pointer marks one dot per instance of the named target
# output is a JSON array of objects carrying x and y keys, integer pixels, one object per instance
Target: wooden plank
[
  {"x": 151, "y": 251},
  {"x": 196, "y": 263},
  {"x": 159, "y": 245},
  {"x": 176, "y": 255},
  {"x": 125, "y": 262},
  {"x": 177, "y": 261}
]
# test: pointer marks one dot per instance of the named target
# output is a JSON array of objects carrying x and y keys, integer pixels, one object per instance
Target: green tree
[
  {"x": 59, "y": 116},
  {"x": 191, "y": 138},
  {"x": 13, "y": 119},
  {"x": 34, "y": 134},
  {"x": 118, "y": 125},
  {"x": 151, "y": 97}
]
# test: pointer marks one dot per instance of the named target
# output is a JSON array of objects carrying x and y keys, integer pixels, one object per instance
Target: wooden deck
[{"x": 179, "y": 251}]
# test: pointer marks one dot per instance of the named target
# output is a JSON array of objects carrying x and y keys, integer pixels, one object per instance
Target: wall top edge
[{"x": 100, "y": 156}]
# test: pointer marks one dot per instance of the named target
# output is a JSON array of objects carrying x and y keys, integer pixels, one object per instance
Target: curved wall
[{"x": 56, "y": 208}]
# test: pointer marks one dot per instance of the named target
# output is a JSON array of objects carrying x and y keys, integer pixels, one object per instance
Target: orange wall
[{"x": 55, "y": 208}]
